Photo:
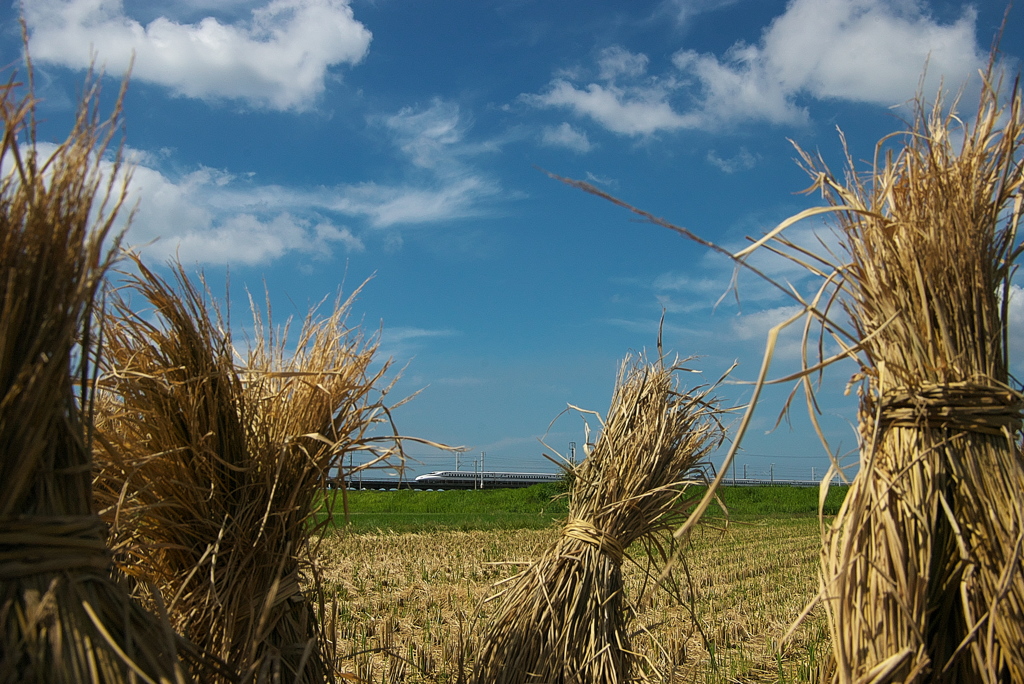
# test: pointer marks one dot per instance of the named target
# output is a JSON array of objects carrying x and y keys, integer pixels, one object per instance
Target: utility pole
[
  {"x": 744, "y": 471},
  {"x": 482, "y": 455},
  {"x": 572, "y": 453},
  {"x": 772, "y": 471},
  {"x": 734, "y": 473},
  {"x": 457, "y": 461},
  {"x": 812, "y": 473}
]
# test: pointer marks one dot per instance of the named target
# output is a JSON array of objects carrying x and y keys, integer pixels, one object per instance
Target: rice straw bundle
[
  {"x": 62, "y": 618},
  {"x": 923, "y": 570},
  {"x": 564, "y": 620},
  {"x": 213, "y": 473}
]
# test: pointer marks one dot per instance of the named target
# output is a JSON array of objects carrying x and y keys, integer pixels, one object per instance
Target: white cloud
[
  {"x": 278, "y": 59},
  {"x": 616, "y": 61},
  {"x": 684, "y": 293},
  {"x": 213, "y": 215},
  {"x": 857, "y": 50},
  {"x": 248, "y": 239},
  {"x": 434, "y": 140},
  {"x": 602, "y": 180},
  {"x": 405, "y": 334},
  {"x": 741, "y": 161},
  {"x": 684, "y": 10},
  {"x": 736, "y": 89},
  {"x": 209, "y": 216},
  {"x": 640, "y": 110},
  {"x": 870, "y": 51},
  {"x": 428, "y": 135},
  {"x": 390, "y": 205},
  {"x": 403, "y": 341},
  {"x": 565, "y": 135},
  {"x": 755, "y": 325}
]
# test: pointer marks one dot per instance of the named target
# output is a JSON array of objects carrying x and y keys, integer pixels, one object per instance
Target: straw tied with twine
[
  {"x": 585, "y": 531},
  {"x": 34, "y": 544},
  {"x": 565, "y": 619},
  {"x": 922, "y": 569},
  {"x": 955, "y": 406},
  {"x": 938, "y": 598},
  {"x": 62, "y": 617}
]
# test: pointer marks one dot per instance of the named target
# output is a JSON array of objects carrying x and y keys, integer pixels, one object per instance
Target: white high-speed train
[{"x": 486, "y": 480}]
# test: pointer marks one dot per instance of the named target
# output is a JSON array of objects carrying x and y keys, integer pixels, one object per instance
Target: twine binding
[
  {"x": 961, "y": 406},
  {"x": 34, "y": 544},
  {"x": 585, "y": 531}
]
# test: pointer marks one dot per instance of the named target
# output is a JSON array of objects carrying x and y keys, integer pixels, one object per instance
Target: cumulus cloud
[
  {"x": 567, "y": 136},
  {"x": 858, "y": 50},
  {"x": 278, "y": 58},
  {"x": 870, "y": 51}
]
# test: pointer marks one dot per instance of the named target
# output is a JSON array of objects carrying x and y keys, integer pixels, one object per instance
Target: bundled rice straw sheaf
[
  {"x": 212, "y": 469},
  {"x": 565, "y": 619},
  {"x": 923, "y": 568},
  {"x": 62, "y": 618}
]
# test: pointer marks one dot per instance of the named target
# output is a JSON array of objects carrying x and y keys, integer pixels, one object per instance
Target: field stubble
[{"x": 409, "y": 605}]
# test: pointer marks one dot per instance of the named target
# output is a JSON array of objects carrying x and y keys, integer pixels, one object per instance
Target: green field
[
  {"x": 541, "y": 506},
  {"x": 412, "y": 610},
  {"x": 412, "y": 568}
]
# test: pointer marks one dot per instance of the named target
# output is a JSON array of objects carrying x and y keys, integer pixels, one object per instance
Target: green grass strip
[{"x": 539, "y": 506}]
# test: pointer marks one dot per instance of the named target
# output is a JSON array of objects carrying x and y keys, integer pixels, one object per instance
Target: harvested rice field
[{"x": 409, "y": 605}]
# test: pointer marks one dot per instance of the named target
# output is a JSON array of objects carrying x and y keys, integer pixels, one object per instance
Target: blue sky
[{"x": 311, "y": 144}]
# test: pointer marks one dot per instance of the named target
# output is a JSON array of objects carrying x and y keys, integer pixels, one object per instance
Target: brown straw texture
[
  {"x": 922, "y": 569},
  {"x": 565, "y": 620},
  {"x": 62, "y": 618},
  {"x": 213, "y": 467}
]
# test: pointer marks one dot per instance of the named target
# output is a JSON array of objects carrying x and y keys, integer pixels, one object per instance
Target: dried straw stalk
[
  {"x": 565, "y": 619},
  {"x": 213, "y": 472},
  {"x": 62, "y": 618},
  {"x": 922, "y": 569}
]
